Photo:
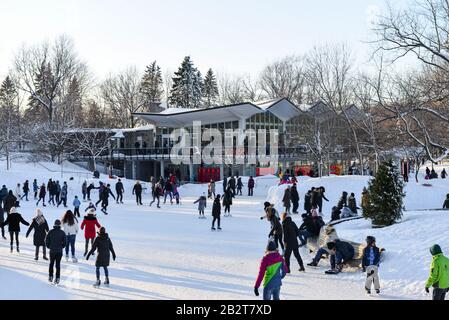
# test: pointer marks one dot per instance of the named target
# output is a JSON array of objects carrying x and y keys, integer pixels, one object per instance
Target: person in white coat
[
  {"x": 70, "y": 227},
  {"x": 18, "y": 192}
]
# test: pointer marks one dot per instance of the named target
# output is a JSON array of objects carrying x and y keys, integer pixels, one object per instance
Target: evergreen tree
[
  {"x": 187, "y": 88},
  {"x": 151, "y": 86},
  {"x": 72, "y": 112},
  {"x": 210, "y": 89},
  {"x": 41, "y": 102},
  {"x": 385, "y": 194}
]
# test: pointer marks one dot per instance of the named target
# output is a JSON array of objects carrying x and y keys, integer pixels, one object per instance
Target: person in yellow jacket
[{"x": 439, "y": 274}]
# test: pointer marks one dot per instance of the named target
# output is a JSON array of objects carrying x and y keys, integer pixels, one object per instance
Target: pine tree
[
  {"x": 210, "y": 91},
  {"x": 187, "y": 88},
  {"x": 385, "y": 195},
  {"x": 151, "y": 85},
  {"x": 72, "y": 112},
  {"x": 41, "y": 102}
]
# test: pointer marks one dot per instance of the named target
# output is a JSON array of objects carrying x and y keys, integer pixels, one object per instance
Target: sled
[{"x": 328, "y": 234}]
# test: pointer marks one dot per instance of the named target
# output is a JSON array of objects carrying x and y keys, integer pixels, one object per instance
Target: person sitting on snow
[
  {"x": 443, "y": 174},
  {"x": 309, "y": 228},
  {"x": 340, "y": 251},
  {"x": 335, "y": 214},
  {"x": 433, "y": 174}
]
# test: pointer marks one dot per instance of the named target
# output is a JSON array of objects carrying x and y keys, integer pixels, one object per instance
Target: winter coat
[
  {"x": 18, "y": 192},
  {"x": 309, "y": 224},
  {"x": 290, "y": 233},
  {"x": 13, "y": 221},
  {"x": 239, "y": 183},
  {"x": 307, "y": 202},
  {"x": 88, "y": 225},
  {"x": 2, "y": 215},
  {"x": 40, "y": 226},
  {"x": 84, "y": 187},
  {"x": 168, "y": 186},
  {"x": 105, "y": 194},
  {"x": 314, "y": 198},
  {"x": 70, "y": 230},
  {"x": 345, "y": 249},
  {"x": 439, "y": 272},
  {"x": 3, "y": 193},
  {"x": 272, "y": 270},
  {"x": 366, "y": 256},
  {"x": 294, "y": 194},
  {"x": 365, "y": 199},
  {"x": 56, "y": 240},
  {"x": 35, "y": 186},
  {"x": 287, "y": 198},
  {"x": 9, "y": 202},
  {"x": 104, "y": 247},
  {"x": 225, "y": 183},
  {"x": 211, "y": 187},
  {"x": 119, "y": 187},
  {"x": 227, "y": 198},
  {"x": 276, "y": 227},
  {"x": 335, "y": 215},
  {"x": 57, "y": 188},
  {"x": 216, "y": 209},
  {"x": 76, "y": 203},
  {"x": 137, "y": 189},
  {"x": 443, "y": 174},
  {"x": 352, "y": 204},
  {"x": 446, "y": 204},
  {"x": 26, "y": 187},
  {"x": 64, "y": 192},
  {"x": 201, "y": 203},
  {"x": 42, "y": 192},
  {"x": 343, "y": 201},
  {"x": 231, "y": 183},
  {"x": 251, "y": 183}
]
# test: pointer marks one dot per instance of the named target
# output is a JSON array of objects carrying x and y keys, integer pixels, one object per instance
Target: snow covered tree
[
  {"x": 385, "y": 194},
  {"x": 187, "y": 86},
  {"x": 151, "y": 85},
  {"x": 210, "y": 89},
  {"x": 72, "y": 106}
]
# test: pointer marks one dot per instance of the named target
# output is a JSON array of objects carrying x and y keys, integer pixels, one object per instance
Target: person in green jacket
[{"x": 439, "y": 274}]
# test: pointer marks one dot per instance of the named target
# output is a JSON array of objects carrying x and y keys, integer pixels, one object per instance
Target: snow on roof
[
  {"x": 266, "y": 104},
  {"x": 305, "y": 107},
  {"x": 177, "y": 110},
  {"x": 141, "y": 128}
]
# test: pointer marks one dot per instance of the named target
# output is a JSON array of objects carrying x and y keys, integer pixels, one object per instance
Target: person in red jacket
[
  {"x": 88, "y": 225},
  {"x": 272, "y": 270}
]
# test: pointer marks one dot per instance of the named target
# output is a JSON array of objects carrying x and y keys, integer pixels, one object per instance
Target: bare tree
[
  {"x": 230, "y": 88},
  {"x": 91, "y": 142},
  {"x": 122, "y": 94}
]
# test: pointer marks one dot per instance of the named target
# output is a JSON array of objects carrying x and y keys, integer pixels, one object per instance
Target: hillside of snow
[{"x": 169, "y": 253}]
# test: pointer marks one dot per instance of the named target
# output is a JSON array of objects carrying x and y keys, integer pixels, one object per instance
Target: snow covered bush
[{"x": 385, "y": 195}]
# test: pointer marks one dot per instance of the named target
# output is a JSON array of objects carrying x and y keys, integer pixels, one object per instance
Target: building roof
[{"x": 178, "y": 117}]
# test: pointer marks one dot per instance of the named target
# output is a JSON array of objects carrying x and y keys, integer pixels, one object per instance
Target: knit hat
[
  {"x": 38, "y": 212},
  {"x": 266, "y": 204},
  {"x": 102, "y": 231},
  {"x": 271, "y": 246},
  {"x": 57, "y": 223},
  {"x": 91, "y": 211},
  {"x": 331, "y": 245},
  {"x": 435, "y": 249}
]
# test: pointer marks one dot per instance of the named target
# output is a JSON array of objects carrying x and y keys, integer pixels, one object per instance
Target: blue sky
[{"x": 229, "y": 36}]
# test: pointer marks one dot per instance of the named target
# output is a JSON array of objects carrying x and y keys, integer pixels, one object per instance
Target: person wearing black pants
[
  {"x": 2, "y": 219},
  {"x": 40, "y": 226},
  {"x": 103, "y": 245},
  {"x": 276, "y": 228},
  {"x": 56, "y": 241},
  {"x": 290, "y": 230},
  {"x": 120, "y": 190},
  {"x": 137, "y": 190},
  {"x": 216, "y": 212},
  {"x": 13, "y": 221}
]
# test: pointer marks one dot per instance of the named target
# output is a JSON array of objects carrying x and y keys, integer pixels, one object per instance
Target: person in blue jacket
[
  {"x": 76, "y": 205},
  {"x": 370, "y": 264}
]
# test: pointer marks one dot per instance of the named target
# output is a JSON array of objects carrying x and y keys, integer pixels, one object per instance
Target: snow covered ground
[{"x": 169, "y": 253}]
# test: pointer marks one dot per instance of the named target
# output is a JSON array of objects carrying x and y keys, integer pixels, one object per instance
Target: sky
[{"x": 229, "y": 36}]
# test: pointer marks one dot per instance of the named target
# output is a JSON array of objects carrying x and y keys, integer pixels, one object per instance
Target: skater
[
  {"x": 168, "y": 191},
  {"x": 2, "y": 219},
  {"x": 343, "y": 202},
  {"x": 295, "y": 198},
  {"x": 340, "y": 251},
  {"x": 137, "y": 190},
  {"x": 251, "y": 186},
  {"x": 370, "y": 264},
  {"x": 9, "y": 201},
  {"x": 286, "y": 200},
  {"x": 56, "y": 242},
  {"x": 70, "y": 227},
  {"x": 309, "y": 228},
  {"x": 307, "y": 201},
  {"x": 40, "y": 226},
  {"x": 211, "y": 189},
  {"x": 35, "y": 189},
  {"x": 18, "y": 192},
  {"x": 76, "y": 205},
  {"x": 58, "y": 193},
  {"x": 26, "y": 190},
  {"x": 227, "y": 202},
  {"x": 272, "y": 270},
  {"x": 100, "y": 193},
  {"x": 176, "y": 193},
  {"x": 119, "y": 190},
  {"x": 103, "y": 245},
  {"x": 446, "y": 202},
  {"x": 320, "y": 197},
  {"x": 352, "y": 205},
  {"x": 62, "y": 194},
  {"x": 225, "y": 183},
  {"x": 89, "y": 189},
  {"x": 90, "y": 206},
  {"x": 239, "y": 185},
  {"x": 443, "y": 174},
  {"x": 51, "y": 192},
  {"x": 314, "y": 198},
  {"x": 276, "y": 228},
  {"x": 290, "y": 230},
  {"x": 105, "y": 198},
  {"x": 88, "y": 225},
  {"x": 439, "y": 274},
  {"x": 13, "y": 220},
  {"x": 84, "y": 190},
  {"x": 202, "y": 201},
  {"x": 156, "y": 193},
  {"x": 3, "y": 194},
  {"x": 232, "y": 184},
  {"x": 216, "y": 212},
  {"x": 42, "y": 193}
]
